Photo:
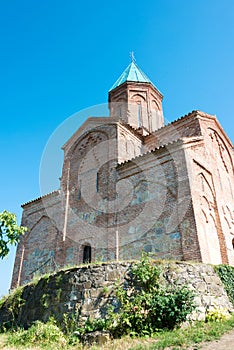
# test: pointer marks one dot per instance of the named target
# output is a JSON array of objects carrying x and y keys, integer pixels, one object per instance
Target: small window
[
  {"x": 233, "y": 243},
  {"x": 87, "y": 254},
  {"x": 97, "y": 182},
  {"x": 120, "y": 112},
  {"x": 139, "y": 112},
  {"x": 79, "y": 191},
  {"x": 79, "y": 194}
]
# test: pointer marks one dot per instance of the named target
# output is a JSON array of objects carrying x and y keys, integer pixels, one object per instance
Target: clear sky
[{"x": 58, "y": 57}]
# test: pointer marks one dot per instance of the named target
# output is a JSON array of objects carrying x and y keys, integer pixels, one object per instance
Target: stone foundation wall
[{"x": 87, "y": 290}]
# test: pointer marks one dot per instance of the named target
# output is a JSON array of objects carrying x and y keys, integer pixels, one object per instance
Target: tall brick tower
[{"x": 136, "y": 101}]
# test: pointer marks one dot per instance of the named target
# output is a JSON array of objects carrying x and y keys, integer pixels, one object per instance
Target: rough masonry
[{"x": 87, "y": 291}]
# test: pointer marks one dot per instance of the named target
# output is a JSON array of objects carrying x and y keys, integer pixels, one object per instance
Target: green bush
[
  {"x": 147, "y": 304},
  {"x": 41, "y": 334},
  {"x": 226, "y": 274}
]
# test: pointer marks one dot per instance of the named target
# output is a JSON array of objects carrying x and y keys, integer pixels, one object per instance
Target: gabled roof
[{"x": 131, "y": 73}]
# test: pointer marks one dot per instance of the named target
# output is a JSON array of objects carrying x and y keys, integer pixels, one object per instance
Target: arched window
[
  {"x": 87, "y": 254},
  {"x": 139, "y": 114},
  {"x": 233, "y": 243}
]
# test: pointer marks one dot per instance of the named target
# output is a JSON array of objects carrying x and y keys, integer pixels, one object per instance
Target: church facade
[{"x": 130, "y": 184}]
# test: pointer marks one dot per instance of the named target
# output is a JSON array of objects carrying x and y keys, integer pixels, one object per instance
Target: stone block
[
  {"x": 201, "y": 287},
  {"x": 113, "y": 275},
  {"x": 98, "y": 337},
  {"x": 87, "y": 285}
]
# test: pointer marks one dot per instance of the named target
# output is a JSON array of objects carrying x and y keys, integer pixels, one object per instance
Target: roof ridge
[
  {"x": 128, "y": 126},
  {"x": 41, "y": 197},
  {"x": 176, "y": 120},
  {"x": 151, "y": 151}
]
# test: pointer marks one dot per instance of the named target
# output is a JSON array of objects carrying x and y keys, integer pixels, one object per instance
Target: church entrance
[{"x": 87, "y": 254}]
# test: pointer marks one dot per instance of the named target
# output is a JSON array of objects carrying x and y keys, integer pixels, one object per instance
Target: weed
[
  {"x": 45, "y": 300},
  {"x": 40, "y": 334},
  {"x": 38, "y": 277},
  {"x": 58, "y": 294},
  {"x": 59, "y": 279},
  {"x": 226, "y": 274},
  {"x": 105, "y": 290},
  {"x": 184, "y": 337},
  {"x": 217, "y": 315},
  {"x": 13, "y": 303},
  {"x": 49, "y": 337}
]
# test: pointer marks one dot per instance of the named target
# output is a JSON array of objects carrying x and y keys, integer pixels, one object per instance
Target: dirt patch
[{"x": 226, "y": 342}]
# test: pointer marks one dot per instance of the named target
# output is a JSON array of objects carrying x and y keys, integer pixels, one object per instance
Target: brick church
[{"x": 130, "y": 184}]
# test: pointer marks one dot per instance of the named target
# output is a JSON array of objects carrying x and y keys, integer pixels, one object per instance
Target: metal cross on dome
[{"x": 132, "y": 56}]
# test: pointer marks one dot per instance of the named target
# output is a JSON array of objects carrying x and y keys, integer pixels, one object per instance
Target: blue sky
[{"x": 58, "y": 58}]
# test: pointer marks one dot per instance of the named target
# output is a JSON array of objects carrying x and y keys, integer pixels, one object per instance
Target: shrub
[
  {"x": 146, "y": 304},
  {"x": 42, "y": 334}
]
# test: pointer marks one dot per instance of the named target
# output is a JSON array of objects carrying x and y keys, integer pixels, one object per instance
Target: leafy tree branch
[{"x": 10, "y": 232}]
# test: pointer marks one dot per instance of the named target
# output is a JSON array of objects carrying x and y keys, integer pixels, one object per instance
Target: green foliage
[
  {"x": 10, "y": 232},
  {"x": 70, "y": 327},
  {"x": 179, "y": 338},
  {"x": 37, "y": 277},
  {"x": 217, "y": 315},
  {"x": 147, "y": 304},
  {"x": 45, "y": 300},
  {"x": 226, "y": 274},
  {"x": 145, "y": 274},
  {"x": 92, "y": 325},
  {"x": 59, "y": 280},
  {"x": 41, "y": 334},
  {"x": 69, "y": 323},
  {"x": 58, "y": 294},
  {"x": 105, "y": 290},
  {"x": 74, "y": 332},
  {"x": 13, "y": 303}
]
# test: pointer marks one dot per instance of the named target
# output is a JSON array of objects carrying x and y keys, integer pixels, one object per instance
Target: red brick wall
[{"x": 176, "y": 202}]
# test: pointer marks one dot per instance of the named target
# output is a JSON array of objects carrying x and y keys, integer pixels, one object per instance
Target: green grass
[
  {"x": 49, "y": 338},
  {"x": 184, "y": 337},
  {"x": 46, "y": 336}
]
